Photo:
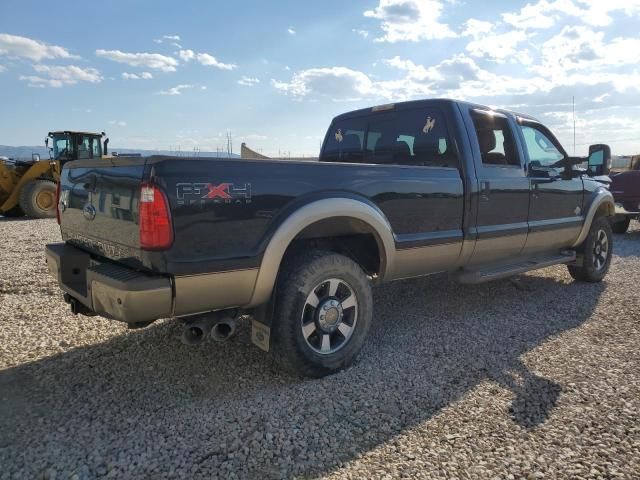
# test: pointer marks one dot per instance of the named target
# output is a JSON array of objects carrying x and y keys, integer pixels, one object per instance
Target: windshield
[{"x": 62, "y": 146}]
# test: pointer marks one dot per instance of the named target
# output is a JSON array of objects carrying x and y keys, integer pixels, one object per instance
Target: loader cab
[{"x": 65, "y": 146}]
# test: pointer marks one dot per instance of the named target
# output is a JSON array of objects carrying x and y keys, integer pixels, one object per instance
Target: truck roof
[
  {"x": 428, "y": 102},
  {"x": 73, "y": 132}
]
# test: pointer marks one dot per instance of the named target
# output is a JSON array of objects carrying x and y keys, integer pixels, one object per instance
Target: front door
[
  {"x": 556, "y": 207},
  {"x": 503, "y": 198}
]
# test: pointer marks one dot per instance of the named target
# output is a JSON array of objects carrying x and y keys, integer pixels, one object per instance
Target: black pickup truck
[{"x": 399, "y": 191}]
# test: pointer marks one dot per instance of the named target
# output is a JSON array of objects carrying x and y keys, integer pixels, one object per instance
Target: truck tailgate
[{"x": 99, "y": 207}]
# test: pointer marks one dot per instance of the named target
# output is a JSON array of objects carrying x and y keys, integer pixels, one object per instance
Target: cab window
[
  {"x": 541, "y": 150},
  {"x": 497, "y": 146},
  {"x": 84, "y": 147},
  {"x": 410, "y": 137}
]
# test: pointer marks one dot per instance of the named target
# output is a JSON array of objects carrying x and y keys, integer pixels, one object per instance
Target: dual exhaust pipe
[{"x": 220, "y": 326}]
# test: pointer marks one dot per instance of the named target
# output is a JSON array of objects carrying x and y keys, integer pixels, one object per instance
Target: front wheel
[
  {"x": 38, "y": 199},
  {"x": 597, "y": 250},
  {"x": 322, "y": 315}
]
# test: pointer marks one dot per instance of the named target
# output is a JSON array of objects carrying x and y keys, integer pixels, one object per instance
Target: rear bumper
[{"x": 107, "y": 289}]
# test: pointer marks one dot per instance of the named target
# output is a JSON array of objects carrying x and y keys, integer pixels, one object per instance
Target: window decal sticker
[{"x": 430, "y": 125}]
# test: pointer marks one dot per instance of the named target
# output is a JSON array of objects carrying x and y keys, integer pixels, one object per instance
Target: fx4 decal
[{"x": 203, "y": 193}]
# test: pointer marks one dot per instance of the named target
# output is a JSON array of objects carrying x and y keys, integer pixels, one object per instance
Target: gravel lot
[{"x": 533, "y": 377}]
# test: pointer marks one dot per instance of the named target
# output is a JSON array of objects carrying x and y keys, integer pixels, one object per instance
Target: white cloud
[
  {"x": 477, "y": 28},
  {"x": 156, "y": 61},
  {"x": 248, "y": 81},
  {"x": 60, "y": 76},
  {"x": 497, "y": 46},
  {"x": 211, "y": 61},
  {"x": 16, "y": 46},
  {"x": 175, "y": 38},
  {"x": 291, "y": 31},
  {"x": 3, "y": 68},
  {"x": 410, "y": 20},
  {"x": 362, "y": 33},
  {"x": 137, "y": 76},
  {"x": 205, "y": 59},
  {"x": 118, "y": 123},
  {"x": 337, "y": 83},
  {"x": 581, "y": 49},
  {"x": 187, "y": 55},
  {"x": 544, "y": 14},
  {"x": 177, "y": 90}
]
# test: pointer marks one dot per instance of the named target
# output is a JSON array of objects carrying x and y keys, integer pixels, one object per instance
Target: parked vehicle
[
  {"x": 625, "y": 187},
  {"x": 400, "y": 191},
  {"x": 28, "y": 187}
]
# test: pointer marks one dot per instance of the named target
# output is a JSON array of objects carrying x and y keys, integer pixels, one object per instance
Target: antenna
[{"x": 573, "y": 107}]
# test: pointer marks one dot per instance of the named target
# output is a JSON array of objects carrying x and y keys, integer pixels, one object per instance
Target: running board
[{"x": 504, "y": 271}]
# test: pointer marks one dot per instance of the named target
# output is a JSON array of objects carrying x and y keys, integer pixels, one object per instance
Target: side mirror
[
  {"x": 105, "y": 149},
  {"x": 35, "y": 157},
  {"x": 599, "y": 162},
  {"x": 46, "y": 142}
]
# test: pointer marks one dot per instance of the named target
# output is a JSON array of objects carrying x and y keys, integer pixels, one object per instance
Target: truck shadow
[{"x": 219, "y": 408}]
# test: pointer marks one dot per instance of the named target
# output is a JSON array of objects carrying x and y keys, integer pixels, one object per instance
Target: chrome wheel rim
[
  {"x": 600, "y": 250},
  {"x": 329, "y": 316}
]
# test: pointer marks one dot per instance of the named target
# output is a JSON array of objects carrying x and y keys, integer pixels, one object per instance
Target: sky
[{"x": 178, "y": 75}]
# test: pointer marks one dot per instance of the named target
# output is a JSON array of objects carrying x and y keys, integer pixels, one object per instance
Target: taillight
[
  {"x": 156, "y": 230},
  {"x": 58, "y": 202}
]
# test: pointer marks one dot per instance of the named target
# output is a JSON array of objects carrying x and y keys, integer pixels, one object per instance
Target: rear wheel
[
  {"x": 323, "y": 314},
  {"x": 38, "y": 198},
  {"x": 597, "y": 250},
  {"x": 621, "y": 226}
]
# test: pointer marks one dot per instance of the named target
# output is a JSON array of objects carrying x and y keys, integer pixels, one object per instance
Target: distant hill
[{"x": 26, "y": 152}]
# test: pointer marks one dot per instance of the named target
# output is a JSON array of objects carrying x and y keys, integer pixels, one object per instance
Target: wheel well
[
  {"x": 348, "y": 236},
  {"x": 605, "y": 209}
]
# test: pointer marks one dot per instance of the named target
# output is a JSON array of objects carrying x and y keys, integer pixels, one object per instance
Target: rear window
[
  {"x": 409, "y": 137},
  {"x": 345, "y": 140}
]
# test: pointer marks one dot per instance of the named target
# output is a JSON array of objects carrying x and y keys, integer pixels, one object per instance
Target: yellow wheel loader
[{"x": 29, "y": 187}]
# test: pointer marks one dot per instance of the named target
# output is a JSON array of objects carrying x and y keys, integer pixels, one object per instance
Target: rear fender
[{"x": 312, "y": 213}]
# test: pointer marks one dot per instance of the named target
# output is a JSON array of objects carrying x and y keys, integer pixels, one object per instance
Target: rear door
[
  {"x": 556, "y": 207},
  {"x": 503, "y": 197},
  {"x": 99, "y": 207}
]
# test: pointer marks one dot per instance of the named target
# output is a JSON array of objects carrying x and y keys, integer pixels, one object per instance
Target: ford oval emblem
[{"x": 89, "y": 212}]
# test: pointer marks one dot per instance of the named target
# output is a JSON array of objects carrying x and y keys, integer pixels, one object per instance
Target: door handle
[{"x": 485, "y": 190}]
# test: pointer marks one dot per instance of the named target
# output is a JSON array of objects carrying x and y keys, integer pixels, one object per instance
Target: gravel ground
[{"x": 532, "y": 377}]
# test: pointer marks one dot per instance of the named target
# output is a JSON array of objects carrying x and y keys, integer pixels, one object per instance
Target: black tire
[
  {"x": 37, "y": 199},
  {"x": 14, "y": 212},
  {"x": 621, "y": 226},
  {"x": 316, "y": 271},
  {"x": 596, "y": 260}
]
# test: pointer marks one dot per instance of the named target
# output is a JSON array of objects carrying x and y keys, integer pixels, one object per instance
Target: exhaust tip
[
  {"x": 192, "y": 335},
  {"x": 223, "y": 330}
]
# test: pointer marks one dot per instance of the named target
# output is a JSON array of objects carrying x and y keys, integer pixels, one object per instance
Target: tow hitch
[{"x": 77, "y": 307}]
